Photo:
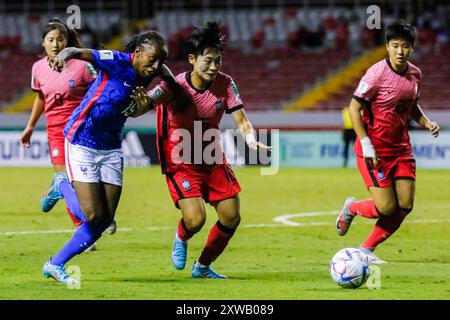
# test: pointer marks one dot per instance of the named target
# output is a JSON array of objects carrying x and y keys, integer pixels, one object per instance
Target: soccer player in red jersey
[
  {"x": 191, "y": 183},
  {"x": 388, "y": 95},
  {"x": 58, "y": 94}
]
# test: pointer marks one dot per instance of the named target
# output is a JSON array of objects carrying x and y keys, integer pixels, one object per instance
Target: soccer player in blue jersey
[{"x": 94, "y": 159}]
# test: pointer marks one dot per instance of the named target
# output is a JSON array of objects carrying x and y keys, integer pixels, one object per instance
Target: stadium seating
[{"x": 264, "y": 54}]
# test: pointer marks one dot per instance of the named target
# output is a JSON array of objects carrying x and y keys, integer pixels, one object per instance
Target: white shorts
[{"x": 89, "y": 165}]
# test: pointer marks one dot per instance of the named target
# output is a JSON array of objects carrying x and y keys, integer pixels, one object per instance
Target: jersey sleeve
[
  {"x": 35, "y": 85},
  {"x": 110, "y": 61},
  {"x": 419, "y": 85},
  {"x": 89, "y": 73},
  {"x": 367, "y": 88},
  {"x": 234, "y": 101}
]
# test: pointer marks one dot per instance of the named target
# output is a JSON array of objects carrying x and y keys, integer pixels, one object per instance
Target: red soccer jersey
[
  {"x": 388, "y": 97},
  {"x": 207, "y": 106},
  {"x": 62, "y": 91}
]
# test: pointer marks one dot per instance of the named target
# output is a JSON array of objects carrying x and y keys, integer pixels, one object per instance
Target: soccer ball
[{"x": 349, "y": 268}]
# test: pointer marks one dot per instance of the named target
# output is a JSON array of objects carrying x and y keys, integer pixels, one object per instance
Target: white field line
[{"x": 282, "y": 221}]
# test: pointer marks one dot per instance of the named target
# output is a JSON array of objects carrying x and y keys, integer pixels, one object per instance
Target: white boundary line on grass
[
  {"x": 282, "y": 221},
  {"x": 285, "y": 219}
]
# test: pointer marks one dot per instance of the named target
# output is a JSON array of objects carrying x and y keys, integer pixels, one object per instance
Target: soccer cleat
[
  {"x": 112, "y": 227},
  {"x": 58, "y": 273},
  {"x": 92, "y": 247},
  {"x": 345, "y": 217},
  {"x": 179, "y": 253},
  {"x": 205, "y": 272},
  {"x": 372, "y": 258},
  {"x": 52, "y": 196}
]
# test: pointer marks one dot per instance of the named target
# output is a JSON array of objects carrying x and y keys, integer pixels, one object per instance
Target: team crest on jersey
[
  {"x": 381, "y": 175},
  {"x": 106, "y": 55},
  {"x": 186, "y": 185},
  {"x": 218, "y": 105},
  {"x": 71, "y": 84}
]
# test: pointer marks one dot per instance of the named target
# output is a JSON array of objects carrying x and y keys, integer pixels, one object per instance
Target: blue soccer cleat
[
  {"x": 179, "y": 253},
  {"x": 52, "y": 196},
  {"x": 58, "y": 273},
  {"x": 205, "y": 272}
]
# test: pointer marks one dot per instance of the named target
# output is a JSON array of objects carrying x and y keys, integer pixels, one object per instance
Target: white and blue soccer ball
[{"x": 349, "y": 268}]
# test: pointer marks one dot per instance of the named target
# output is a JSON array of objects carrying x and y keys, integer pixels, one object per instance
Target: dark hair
[
  {"x": 205, "y": 37},
  {"x": 71, "y": 35},
  {"x": 400, "y": 29},
  {"x": 146, "y": 38}
]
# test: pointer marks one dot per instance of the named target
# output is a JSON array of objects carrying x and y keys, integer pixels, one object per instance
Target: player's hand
[
  {"x": 369, "y": 153},
  {"x": 25, "y": 140},
  {"x": 434, "y": 128},
  {"x": 140, "y": 96},
  {"x": 259, "y": 145},
  {"x": 56, "y": 63}
]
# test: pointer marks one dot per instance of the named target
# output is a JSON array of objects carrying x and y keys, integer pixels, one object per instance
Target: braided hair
[{"x": 146, "y": 38}]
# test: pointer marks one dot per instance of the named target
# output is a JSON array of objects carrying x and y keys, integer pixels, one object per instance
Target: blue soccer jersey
[{"x": 97, "y": 122}]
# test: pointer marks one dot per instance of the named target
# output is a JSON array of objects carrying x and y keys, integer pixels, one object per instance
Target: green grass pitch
[{"x": 264, "y": 260}]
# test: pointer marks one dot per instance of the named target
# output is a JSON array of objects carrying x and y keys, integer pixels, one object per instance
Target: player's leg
[
  {"x": 91, "y": 198},
  {"x": 382, "y": 202},
  {"x": 220, "y": 234},
  {"x": 193, "y": 218},
  {"x": 112, "y": 195},
  {"x": 185, "y": 189},
  {"x": 223, "y": 194},
  {"x": 404, "y": 188}
]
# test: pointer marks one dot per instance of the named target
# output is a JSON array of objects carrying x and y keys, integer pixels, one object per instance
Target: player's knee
[
  {"x": 195, "y": 223},
  {"x": 406, "y": 206},
  {"x": 406, "y": 210},
  {"x": 387, "y": 208}
]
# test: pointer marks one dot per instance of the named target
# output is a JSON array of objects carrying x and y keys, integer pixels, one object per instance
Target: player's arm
[
  {"x": 419, "y": 116},
  {"x": 358, "y": 125},
  {"x": 247, "y": 131},
  {"x": 145, "y": 101},
  {"x": 36, "y": 112},
  {"x": 57, "y": 63}
]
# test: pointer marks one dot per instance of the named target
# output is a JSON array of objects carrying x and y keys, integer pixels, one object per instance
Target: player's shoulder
[
  {"x": 415, "y": 70},
  {"x": 378, "y": 67},
  {"x": 181, "y": 77},
  {"x": 39, "y": 64},
  {"x": 223, "y": 77}
]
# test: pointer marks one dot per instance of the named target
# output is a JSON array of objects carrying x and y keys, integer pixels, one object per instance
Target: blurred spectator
[
  {"x": 88, "y": 38},
  {"x": 342, "y": 33}
]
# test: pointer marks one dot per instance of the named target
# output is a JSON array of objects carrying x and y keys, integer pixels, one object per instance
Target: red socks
[
  {"x": 183, "y": 233},
  {"x": 385, "y": 227},
  {"x": 365, "y": 208},
  {"x": 217, "y": 242}
]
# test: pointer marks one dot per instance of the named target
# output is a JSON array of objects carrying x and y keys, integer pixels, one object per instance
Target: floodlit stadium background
[{"x": 296, "y": 64}]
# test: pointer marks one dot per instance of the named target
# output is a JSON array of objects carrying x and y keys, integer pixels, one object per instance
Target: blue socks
[
  {"x": 71, "y": 200},
  {"x": 82, "y": 239}
]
